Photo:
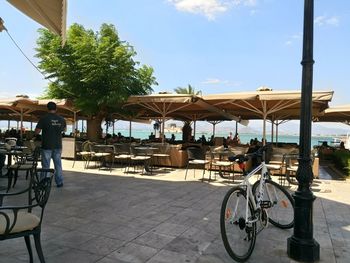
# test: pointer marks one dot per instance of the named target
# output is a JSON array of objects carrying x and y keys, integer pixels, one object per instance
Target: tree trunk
[{"x": 94, "y": 130}]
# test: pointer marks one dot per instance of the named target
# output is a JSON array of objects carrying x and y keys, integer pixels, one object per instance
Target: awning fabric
[
  {"x": 339, "y": 113},
  {"x": 51, "y": 14}
]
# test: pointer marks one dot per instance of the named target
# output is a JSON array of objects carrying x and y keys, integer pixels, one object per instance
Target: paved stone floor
[{"x": 101, "y": 216}]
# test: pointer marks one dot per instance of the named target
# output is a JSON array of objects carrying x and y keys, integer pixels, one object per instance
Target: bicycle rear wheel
[
  {"x": 280, "y": 202},
  {"x": 238, "y": 236}
]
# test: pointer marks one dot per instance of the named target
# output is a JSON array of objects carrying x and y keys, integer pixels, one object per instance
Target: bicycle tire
[
  {"x": 281, "y": 212},
  {"x": 246, "y": 235}
]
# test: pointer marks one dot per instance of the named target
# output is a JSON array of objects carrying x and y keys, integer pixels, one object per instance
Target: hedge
[{"x": 341, "y": 161}]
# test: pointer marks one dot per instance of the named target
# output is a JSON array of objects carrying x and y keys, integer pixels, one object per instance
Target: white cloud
[
  {"x": 209, "y": 8},
  {"x": 226, "y": 83},
  {"x": 291, "y": 39},
  {"x": 214, "y": 81},
  {"x": 326, "y": 20}
]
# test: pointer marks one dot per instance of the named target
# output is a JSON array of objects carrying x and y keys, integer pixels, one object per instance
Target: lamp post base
[{"x": 303, "y": 250}]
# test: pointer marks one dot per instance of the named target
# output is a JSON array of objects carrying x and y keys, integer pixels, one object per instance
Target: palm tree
[
  {"x": 188, "y": 90},
  {"x": 187, "y": 130}
]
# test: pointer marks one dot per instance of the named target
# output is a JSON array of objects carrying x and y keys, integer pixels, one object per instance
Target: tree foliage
[{"x": 96, "y": 70}]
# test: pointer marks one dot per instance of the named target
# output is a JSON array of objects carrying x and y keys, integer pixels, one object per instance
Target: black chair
[
  {"x": 122, "y": 155},
  {"x": 219, "y": 161},
  {"x": 197, "y": 158},
  {"x": 25, "y": 220},
  {"x": 141, "y": 159},
  {"x": 82, "y": 150},
  {"x": 25, "y": 163}
]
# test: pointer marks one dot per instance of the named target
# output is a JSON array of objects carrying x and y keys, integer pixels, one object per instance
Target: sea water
[{"x": 245, "y": 138}]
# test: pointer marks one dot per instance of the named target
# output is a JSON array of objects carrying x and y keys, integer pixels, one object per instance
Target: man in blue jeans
[{"x": 52, "y": 126}]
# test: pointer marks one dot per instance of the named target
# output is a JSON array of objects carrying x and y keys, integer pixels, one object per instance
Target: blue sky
[{"x": 215, "y": 45}]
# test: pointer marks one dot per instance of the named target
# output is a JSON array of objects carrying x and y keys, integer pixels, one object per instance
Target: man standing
[{"x": 52, "y": 126}]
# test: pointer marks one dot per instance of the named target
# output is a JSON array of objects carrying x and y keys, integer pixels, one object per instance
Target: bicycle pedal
[
  {"x": 264, "y": 218},
  {"x": 266, "y": 204}
]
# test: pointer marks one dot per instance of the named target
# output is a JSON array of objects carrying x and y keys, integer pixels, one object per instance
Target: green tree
[
  {"x": 188, "y": 90},
  {"x": 96, "y": 70},
  {"x": 186, "y": 129}
]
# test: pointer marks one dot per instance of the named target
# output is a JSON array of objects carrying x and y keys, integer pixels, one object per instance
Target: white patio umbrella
[
  {"x": 267, "y": 104},
  {"x": 51, "y": 14}
]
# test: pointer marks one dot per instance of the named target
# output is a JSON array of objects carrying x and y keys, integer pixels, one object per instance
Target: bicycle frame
[{"x": 250, "y": 196}]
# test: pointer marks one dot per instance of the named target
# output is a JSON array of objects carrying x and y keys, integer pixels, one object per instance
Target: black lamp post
[{"x": 302, "y": 246}]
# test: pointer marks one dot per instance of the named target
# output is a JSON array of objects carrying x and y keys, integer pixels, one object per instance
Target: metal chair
[
  {"x": 82, "y": 150},
  {"x": 26, "y": 163},
  {"x": 122, "y": 154},
  {"x": 25, "y": 220},
  {"x": 163, "y": 153},
  {"x": 140, "y": 159},
  {"x": 197, "y": 158},
  {"x": 217, "y": 162}
]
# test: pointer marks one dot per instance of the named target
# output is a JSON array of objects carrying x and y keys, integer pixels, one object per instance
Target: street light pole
[{"x": 302, "y": 246}]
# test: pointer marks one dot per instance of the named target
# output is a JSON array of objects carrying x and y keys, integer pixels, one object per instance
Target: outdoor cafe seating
[
  {"x": 24, "y": 220},
  {"x": 197, "y": 158},
  {"x": 24, "y": 162}
]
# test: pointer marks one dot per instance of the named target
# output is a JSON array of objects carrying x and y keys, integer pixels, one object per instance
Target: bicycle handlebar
[{"x": 241, "y": 158}]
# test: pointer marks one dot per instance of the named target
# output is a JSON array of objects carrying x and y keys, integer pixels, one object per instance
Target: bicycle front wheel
[
  {"x": 279, "y": 202},
  {"x": 238, "y": 235}
]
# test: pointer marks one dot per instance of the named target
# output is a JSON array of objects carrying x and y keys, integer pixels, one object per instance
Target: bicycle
[{"x": 245, "y": 205}]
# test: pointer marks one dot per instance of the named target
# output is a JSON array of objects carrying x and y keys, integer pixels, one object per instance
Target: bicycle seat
[{"x": 239, "y": 158}]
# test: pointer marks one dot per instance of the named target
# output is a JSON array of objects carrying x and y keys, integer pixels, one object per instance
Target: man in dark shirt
[{"x": 52, "y": 126}]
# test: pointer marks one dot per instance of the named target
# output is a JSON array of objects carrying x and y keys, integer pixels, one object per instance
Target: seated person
[
  {"x": 202, "y": 139},
  {"x": 229, "y": 138},
  {"x": 342, "y": 147},
  {"x": 172, "y": 139},
  {"x": 151, "y": 136},
  {"x": 236, "y": 140}
]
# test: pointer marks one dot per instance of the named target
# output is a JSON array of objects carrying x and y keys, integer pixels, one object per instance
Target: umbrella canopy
[
  {"x": 51, "y": 14},
  {"x": 23, "y": 108},
  {"x": 177, "y": 106},
  {"x": 340, "y": 113},
  {"x": 268, "y": 104},
  {"x": 272, "y": 104}
]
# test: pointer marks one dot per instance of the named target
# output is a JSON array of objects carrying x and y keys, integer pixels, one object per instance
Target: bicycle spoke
[{"x": 238, "y": 236}]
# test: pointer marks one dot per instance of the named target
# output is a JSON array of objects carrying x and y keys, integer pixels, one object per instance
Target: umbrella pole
[
  {"x": 264, "y": 130},
  {"x": 31, "y": 126},
  {"x": 277, "y": 134},
  {"x": 75, "y": 124},
  {"x": 194, "y": 127},
  {"x": 264, "y": 122},
  {"x": 21, "y": 132},
  {"x": 214, "y": 129},
  {"x": 236, "y": 128},
  {"x": 130, "y": 130},
  {"x": 272, "y": 130},
  {"x": 163, "y": 124},
  {"x": 8, "y": 125}
]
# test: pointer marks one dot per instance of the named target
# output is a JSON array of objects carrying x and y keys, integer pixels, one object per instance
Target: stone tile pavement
[{"x": 101, "y": 216}]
